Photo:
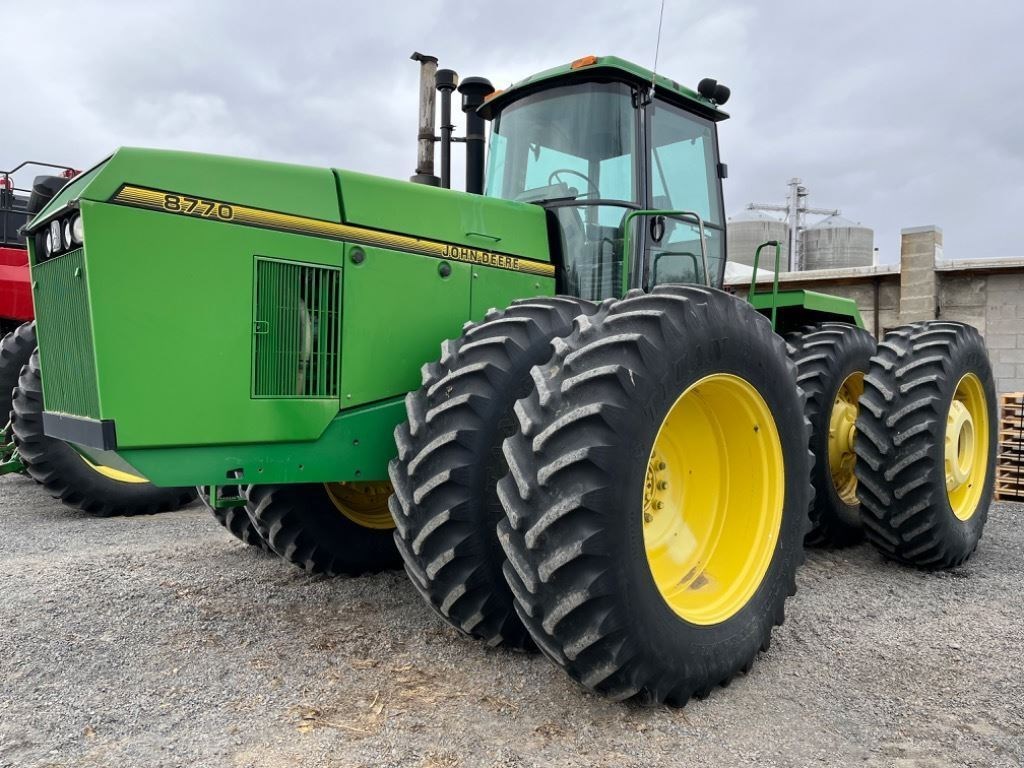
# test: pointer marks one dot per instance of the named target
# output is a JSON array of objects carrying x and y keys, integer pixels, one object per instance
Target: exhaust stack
[
  {"x": 425, "y": 143},
  {"x": 473, "y": 91}
]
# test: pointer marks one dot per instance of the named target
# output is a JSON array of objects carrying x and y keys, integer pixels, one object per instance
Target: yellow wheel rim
[
  {"x": 114, "y": 474},
  {"x": 712, "y": 499},
  {"x": 365, "y": 504},
  {"x": 966, "y": 447},
  {"x": 841, "y": 429}
]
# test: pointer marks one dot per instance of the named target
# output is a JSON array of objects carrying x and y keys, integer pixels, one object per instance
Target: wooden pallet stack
[{"x": 1010, "y": 472}]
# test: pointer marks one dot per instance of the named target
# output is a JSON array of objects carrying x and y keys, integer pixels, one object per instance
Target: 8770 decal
[{"x": 195, "y": 206}]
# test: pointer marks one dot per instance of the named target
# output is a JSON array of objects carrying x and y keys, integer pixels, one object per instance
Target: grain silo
[
  {"x": 748, "y": 229},
  {"x": 836, "y": 242}
]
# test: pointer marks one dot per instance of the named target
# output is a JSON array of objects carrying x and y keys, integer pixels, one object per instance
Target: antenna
[{"x": 657, "y": 47}]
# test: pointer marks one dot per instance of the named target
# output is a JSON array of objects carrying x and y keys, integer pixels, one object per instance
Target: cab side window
[{"x": 684, "y": 176}]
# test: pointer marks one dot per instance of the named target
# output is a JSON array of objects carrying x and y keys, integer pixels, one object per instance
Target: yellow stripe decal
[{"x": 217, "y": 210}]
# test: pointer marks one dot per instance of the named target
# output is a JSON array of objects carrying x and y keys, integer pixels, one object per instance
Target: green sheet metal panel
[
  {"x": 836, "y": 307},
  {"x": 398, "y": 308},
  {"x": 294, "y": 189},
  {"x": 474, "y": 221},
  {"x": 496, "y": 289},
  {"x": 357, "y": 445},
  {"x": 172, "y": 311}
]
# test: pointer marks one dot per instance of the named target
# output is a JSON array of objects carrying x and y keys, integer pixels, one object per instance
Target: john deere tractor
[{"x": 535, "y": 395}]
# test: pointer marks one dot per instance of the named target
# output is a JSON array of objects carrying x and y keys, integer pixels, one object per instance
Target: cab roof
[{"x": 591, "y": 68}]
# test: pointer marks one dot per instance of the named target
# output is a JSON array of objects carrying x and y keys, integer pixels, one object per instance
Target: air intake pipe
[
  {"x": 446, "y": 79},
  {"x": 473, "y": 90}
]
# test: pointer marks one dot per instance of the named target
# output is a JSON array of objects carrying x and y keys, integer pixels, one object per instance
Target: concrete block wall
[{"x": 1004, "y": 329}]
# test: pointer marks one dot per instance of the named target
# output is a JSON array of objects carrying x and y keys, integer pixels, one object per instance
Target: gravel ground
[{"x": 162, "y": 641}]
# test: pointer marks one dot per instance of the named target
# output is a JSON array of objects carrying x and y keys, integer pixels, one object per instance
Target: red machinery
[{"x": 15, "y": 210}]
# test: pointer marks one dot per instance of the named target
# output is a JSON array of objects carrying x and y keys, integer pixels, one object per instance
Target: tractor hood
[
  {"x": 212, "y": 318},
  {"x": 325, "y": 195}
]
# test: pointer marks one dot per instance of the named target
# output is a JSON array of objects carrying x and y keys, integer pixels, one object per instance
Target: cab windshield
[{"x": 574, "y": 149}]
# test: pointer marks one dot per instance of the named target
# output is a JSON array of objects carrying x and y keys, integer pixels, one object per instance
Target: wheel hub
[
  {"x": 965, "y": 450},
  {"x": 712, "y": 499},
  {"x": 841, "y": 432},
  {"x": 365, "y": 504},
  {"x": 959, "y": 449}
]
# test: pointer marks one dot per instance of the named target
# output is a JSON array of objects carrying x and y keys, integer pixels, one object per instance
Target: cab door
[{"x": 682, "y": 175}]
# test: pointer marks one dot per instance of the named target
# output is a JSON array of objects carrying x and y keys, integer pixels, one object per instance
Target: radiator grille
[
  {"x": 65, "y": 334},
  {"x": 296, "y": 333}
]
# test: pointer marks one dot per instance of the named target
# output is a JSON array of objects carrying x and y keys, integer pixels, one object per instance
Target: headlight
[
  {"x": 53, "y": 239},
  {"x": 49, "y": 244},
  {"x": 67, "y": 233},
  {"x": 78, "y": 230}
]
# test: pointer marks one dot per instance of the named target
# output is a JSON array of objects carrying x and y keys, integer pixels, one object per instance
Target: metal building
[{"x": 835, "y": 243}]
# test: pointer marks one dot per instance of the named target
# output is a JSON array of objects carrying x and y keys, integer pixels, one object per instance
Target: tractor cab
[{"x": 626, "y": 164}]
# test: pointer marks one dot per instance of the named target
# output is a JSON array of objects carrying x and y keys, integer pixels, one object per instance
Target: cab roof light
[
  {"x": 586, "y": 61},
  {"x": 493, "y": 94}
]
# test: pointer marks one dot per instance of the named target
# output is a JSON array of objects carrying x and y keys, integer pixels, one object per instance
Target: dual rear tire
[
  {"x": 903, "y": 436},
  {"x": 648, "y": 405},
  {"x": 926, "y": 442}
]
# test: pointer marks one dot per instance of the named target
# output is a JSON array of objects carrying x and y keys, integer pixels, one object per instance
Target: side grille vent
[
  {"x": 296, "y": 330},
  {"x": 65, "y": 335}
]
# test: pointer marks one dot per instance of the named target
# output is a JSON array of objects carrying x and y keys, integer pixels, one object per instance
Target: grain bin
[
  {"x": 836, "y": 242},
  {"x": 748, "y": 229}
]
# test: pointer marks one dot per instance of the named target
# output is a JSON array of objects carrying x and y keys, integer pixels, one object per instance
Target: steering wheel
[{"x": 591, "y": 187}]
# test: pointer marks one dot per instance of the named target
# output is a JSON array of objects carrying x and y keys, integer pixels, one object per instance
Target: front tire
[
  {"x": 327, "y": 528},
  {"x": 15, "y": 351},
  {"x": 926, "y": 444},
  {"x": 680, "y": 398},
  {"x": 68, "y": 476}
]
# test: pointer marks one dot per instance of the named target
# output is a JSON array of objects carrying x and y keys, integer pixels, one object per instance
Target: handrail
[
  {"x": 681, "y": 214},
  {"x": 775, "y": 281}
]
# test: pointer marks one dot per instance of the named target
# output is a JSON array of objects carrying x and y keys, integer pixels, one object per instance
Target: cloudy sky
[{"x": 901, "y": 114}]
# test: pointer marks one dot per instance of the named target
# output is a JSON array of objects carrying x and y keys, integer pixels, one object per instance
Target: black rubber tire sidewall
[
  {"x": 303, "y": 526},
  {"x": 834, "y": 522},
  {"x": 16, "y": 349},
  {"x": 964, "y": 535},
  {"x": 236, "y": 520}
]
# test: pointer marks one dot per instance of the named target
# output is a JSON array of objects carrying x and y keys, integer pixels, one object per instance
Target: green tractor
[{"x": 535, "y": 394}]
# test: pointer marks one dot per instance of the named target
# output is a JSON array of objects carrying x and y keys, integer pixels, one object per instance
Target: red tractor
[{"x": 66, "y": 474}]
